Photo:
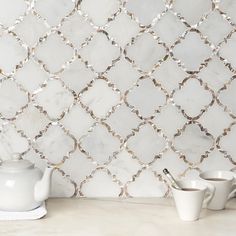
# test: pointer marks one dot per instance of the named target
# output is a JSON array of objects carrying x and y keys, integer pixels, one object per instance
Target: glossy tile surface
[{"x": 113, "y": 91}]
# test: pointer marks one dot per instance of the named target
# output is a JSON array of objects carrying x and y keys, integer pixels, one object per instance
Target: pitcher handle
[
  {"x": 210, "y": 191},
  {"x": 233, "y": 169},
  {"x": 233, "y": 188}
]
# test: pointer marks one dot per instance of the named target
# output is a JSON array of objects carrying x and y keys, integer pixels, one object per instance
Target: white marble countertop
[{"x": 128, "y": 217}]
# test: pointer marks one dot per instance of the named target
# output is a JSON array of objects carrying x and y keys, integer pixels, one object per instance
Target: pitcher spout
[{"x": 42, "y": 187}]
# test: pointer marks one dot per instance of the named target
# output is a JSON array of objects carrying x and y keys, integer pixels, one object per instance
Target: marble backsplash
[{"x": 113, "y": 91}]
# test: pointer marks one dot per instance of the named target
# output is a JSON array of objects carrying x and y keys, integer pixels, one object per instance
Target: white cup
[
  {"x": 190, "y": 200},
  {"x": 225, "y": 187}
]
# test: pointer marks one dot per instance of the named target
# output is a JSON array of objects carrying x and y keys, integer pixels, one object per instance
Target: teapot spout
[{"x": 42, "y": 187}]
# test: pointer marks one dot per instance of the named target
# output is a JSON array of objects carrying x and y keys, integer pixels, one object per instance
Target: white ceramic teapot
[{"x": 23, "y": 187}]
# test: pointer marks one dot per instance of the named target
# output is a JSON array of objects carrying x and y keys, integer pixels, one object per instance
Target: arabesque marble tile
[{"x": 113, "y": 91}]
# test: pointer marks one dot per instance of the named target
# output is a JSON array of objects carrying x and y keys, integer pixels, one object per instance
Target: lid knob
[{"x": 16, "y": 156}]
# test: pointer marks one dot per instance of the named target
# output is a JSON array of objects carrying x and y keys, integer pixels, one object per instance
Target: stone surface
[
  {"x": 116, "y": 217},
  {"x": 113, "y": 91}
]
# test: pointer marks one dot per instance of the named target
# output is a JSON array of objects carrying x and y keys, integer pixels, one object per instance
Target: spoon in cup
[{"x": 171, "y": 179}]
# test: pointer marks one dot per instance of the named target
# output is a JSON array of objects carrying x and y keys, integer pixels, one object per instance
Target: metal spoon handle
[{"x": 171, "y": 179}]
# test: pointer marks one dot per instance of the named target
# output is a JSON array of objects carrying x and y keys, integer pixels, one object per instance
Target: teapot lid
[{"x": 14, "y": 165}]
